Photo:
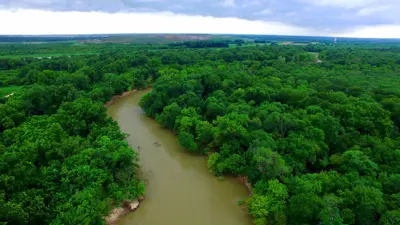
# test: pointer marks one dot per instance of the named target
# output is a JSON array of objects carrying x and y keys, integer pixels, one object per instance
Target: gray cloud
[{"x": 333, "y": 15}]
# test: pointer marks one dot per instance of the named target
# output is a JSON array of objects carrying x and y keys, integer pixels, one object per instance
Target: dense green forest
[{"x": 319, "y": 142}]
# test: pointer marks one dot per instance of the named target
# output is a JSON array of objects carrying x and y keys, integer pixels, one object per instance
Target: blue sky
[{"x": 356, "y": 18}]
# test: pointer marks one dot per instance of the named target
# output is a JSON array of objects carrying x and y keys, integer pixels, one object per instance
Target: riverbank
[
  {"x": 116, "y": 97},
  {"x": 117, "y": 213},
  {"x": 122, "y": 212},
  {"x": 127, "y": 206},
  {"x": 180, "y": 189},
  {"x": 244, "y": 180}
]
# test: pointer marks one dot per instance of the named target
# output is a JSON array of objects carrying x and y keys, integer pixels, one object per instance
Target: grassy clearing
[
  {"x": 44, "y": 55},
  {"x": 4, "y": 91},
  {"x": 292, "y": 43}
]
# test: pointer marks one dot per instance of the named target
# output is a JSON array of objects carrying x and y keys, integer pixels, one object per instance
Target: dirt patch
[
  {"x": 127, "y": 207},
  {"x": 244, "y": 180},
  {"x": 9, "y": 95},
  {"x": 293, "y": 43}
]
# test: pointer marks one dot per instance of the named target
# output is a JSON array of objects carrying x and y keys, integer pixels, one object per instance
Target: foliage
[
  {"x": 319, "y": 142},
  {"x": 62, "y": 159}
]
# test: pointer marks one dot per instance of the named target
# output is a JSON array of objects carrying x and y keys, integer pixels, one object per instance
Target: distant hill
[{"x": 169, "y": 38}]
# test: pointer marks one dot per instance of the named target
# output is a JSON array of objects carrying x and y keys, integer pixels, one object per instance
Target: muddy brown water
[{"x": 179, "y": 189}]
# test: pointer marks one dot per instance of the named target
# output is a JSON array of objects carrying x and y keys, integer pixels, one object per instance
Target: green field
[
  {"x": 44, "y": 55},
  {"x": 4, "y": 91}
]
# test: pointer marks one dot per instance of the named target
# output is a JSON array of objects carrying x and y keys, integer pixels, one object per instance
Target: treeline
[
  {"x": 262, "y": 41},
  {"x": 55, "y": 49},
  {"x": 16, "y": 49},
  {"x": 48, "y": 38},
  {"x": 319, "y": 143},
  {"x": 201, "y": 44}
]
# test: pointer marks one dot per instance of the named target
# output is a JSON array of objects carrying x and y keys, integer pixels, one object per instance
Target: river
[{"x": 179, "y": 188}]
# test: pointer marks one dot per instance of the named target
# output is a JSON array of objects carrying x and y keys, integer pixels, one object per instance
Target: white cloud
[
  {"x": 380, "y": 31},
  {"x": 371, "y": 10},
  {"x": 47, "y": 22},
  {"x": 347, "y": 4}
]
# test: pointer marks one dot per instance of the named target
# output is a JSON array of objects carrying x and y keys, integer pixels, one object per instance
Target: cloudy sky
[{"x": 354, "y": 18}]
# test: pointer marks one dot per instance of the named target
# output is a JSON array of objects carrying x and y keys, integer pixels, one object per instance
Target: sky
[{"x": 339, "y": 18}]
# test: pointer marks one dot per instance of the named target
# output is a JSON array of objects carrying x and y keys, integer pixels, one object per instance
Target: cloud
[
  {"x": 337, "y": 16},
  {"x": 347, "y": 4},
  {"x": 372, "y": 10},
  {"x": 251, "y": 3},
  {"x": 48, "y": 22},
  {"x": 265, "y": 12},
  {"x": 229, "y": 3},
  {"x": 383, "y": 31}
]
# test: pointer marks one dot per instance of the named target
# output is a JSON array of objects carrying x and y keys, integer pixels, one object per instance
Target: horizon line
[{"x": 189, "y": 33}]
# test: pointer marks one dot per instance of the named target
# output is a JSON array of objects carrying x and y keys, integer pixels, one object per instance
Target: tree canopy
[{"x": 319, "y": 142}]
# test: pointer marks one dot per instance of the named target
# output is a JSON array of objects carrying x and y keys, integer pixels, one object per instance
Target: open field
[
  {"x": 4, "y": 91},
  {"x": 149, "y": 39},
  {"x": 46, "y": 55},
  {"x": 293, "y": 43}
]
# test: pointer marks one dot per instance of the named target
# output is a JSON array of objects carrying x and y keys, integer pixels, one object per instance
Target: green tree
[
  {"x": 269, "y": 163},
  {"x": 169, "y": 115}
]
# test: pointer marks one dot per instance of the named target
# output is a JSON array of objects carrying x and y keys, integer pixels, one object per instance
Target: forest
[{"x": 319, "y": 142}]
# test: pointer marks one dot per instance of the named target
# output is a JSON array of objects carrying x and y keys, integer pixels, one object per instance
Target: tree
[
  {"x": 187, "y": 141},
  {"x": 355, "y": 161},
  {"x": 269, "y": 202},
  {"x": 269, "y": 163},
  {"x": 169, "y": 115},
  {"x": 390, "y": 218},
  {"x": 367, "y": 203},
  {"x": 330, "y": 214},
  {"x": 77, "y": 117}
]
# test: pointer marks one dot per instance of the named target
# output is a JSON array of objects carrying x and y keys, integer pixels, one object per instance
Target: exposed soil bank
[
  {"x": 116, "y": 213},
  {"x": 243, "y": 180}
]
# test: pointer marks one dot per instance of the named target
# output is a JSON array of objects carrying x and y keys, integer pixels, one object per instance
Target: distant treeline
[
  {"x": 201, "y": 44},
  {"x": 267, "y": 38},
  {"x": 49, "y": 38},
  {"x": 308, "y": 39},
  {"x": 262, "y": 41},
  {"x": 207, "y": 43}
]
